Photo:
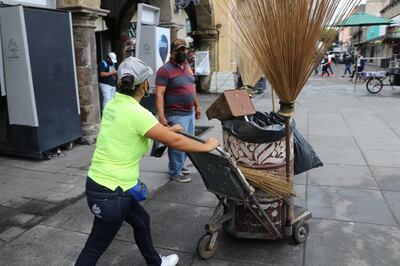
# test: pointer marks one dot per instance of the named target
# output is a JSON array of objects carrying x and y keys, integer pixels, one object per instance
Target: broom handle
[
  {"x": 287, "y": 142},
  {"x": 289, "y": 209},
  {"x": 273, "y": 99}
]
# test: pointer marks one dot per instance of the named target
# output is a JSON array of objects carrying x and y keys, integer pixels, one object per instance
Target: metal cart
[{"x": 223, "y": 177}]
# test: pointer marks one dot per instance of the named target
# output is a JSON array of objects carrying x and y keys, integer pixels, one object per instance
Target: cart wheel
[
  {"x": 203, "y": 247},
  {"x": 374, "y": 85},
  {"x": 300, "y": 232}
]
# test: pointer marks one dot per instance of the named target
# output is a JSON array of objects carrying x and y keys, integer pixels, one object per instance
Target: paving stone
[
  {"x": 383, "y": 143},
  {"x": 383, "y": 158},
  {"x": 124, "y": 253},
  {"x": 189, "y": 193},
  {"x": 63, "y": 192},
  {"x": 11, "y": 233},
  {"x": 344, "y": 157},
  {"x": 24, "y": 219},
  {"x": 75, "y": 172},
  {"x": 342, "y": 176},
  {"x": 357, "y": 205},
  {"x": 8, "y": 193},
  {"x": 300, "y": 198},
  {"x": 300, "y": 179},
  {"x": 78, "y": 218},
  {"x": 363, "y": 126},
  {"x": 63, "y": 177},
  {"x": 154, "y": 165},
  {"x": 393, "y": 199},
  {"x": 355, "y": 110},
  {"x": 154, "y": 180},
  {"x": 327, "y": 124},
  {"x": 43, "y": 246},
  {"x": 34, "y": 250},
  {"x": 15, "y": 203},
  {"x": 38, "y": 207},
  {"x": 388, "y": 178},
  {"x": 218, "y": 262},
  {"x": 29, "y": 187},
  {"x": 346, "y": 243},
  {"x": 6, "y": 213},
  {"x": 177, "y": 227},
  {"x": 250, "y": 251},
  {"x": 333, "y": 142}
]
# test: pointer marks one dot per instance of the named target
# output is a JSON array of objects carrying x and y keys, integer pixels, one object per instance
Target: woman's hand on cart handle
[
  {"x": 212, "y": 143},
  {"x": 176, "y": 128}
]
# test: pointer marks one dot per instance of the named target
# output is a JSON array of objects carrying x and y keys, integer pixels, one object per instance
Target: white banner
[{"x": 202, "y": 63}]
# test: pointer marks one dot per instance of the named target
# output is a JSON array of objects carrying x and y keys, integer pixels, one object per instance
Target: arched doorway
[
  {"x": 201, "y": 19},
  {"x": 118, "y": 23}
]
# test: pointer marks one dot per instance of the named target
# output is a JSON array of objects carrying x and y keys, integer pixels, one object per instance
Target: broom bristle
[
  {"x": 284, "y": 37},
  {"x": 249, "y": 71},
  {"x": 274, "y": 185}
]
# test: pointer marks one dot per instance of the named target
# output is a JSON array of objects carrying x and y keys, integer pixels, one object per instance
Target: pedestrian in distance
[
  {"x": 331, "y": 58},
  {"x": 361, "y": 62},
  {"x": 177, "y": 103},
  {"x": 324, "y": 66},
  {"x": 113, "y": 178},
  {"x": 347, "y": 61},
  {"x": 107, "y": 78}
]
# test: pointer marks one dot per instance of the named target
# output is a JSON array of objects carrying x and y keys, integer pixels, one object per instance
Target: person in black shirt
[
  {"x": 347, "y": 61},
  {"x": 107, "y": 78}
]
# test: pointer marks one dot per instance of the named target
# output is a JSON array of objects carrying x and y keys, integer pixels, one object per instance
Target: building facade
[
  {"x": 101, "y": 26},
  {"x": 379, "y": 43}
]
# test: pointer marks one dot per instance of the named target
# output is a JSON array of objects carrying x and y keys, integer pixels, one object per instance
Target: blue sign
[{"x": 163, "y": 47}]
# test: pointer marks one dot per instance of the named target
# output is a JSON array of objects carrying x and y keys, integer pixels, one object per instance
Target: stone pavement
[{"x": 355, "y": 197}]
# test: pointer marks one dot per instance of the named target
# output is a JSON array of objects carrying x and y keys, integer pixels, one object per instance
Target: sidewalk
[{"x": 355, "y": 197}]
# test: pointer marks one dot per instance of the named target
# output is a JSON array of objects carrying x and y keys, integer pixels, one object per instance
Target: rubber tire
[
  {"x": 378, "y": 83},
  {"x": 301, "y": 231},
  {"x": 202, "y": 247}
]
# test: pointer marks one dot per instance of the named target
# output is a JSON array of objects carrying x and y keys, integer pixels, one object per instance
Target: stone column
[
  {"x": 207, "y": 41},
  {"x": 174, "y": 28},
  {"x": 83, "y": 22}
]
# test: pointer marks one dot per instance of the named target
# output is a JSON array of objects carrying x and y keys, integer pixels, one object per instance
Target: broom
[
  {"x": 284, "y": 37},
  {"x": 249, "y": 72},
  {"x": 274, "y": 185}
]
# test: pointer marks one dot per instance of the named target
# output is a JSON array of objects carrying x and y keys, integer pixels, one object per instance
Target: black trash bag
[
  {"x": 261, "y": 128},
  {"x": 158, "y": 149},
  {"x": 305, "y": 157}
]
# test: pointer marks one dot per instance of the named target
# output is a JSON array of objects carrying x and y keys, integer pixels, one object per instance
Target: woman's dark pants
[{"x": 111, "y": 209}]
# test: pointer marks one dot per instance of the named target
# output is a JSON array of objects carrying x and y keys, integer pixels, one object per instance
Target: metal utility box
[
  {"x": 41, "y": 97},
  {"x": 154, "y": 48}
]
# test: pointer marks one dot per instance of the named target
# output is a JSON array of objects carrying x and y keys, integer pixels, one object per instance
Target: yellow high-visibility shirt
[{"x": 121, "y": 143}]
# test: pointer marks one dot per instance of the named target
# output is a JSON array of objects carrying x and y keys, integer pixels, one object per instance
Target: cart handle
[{"x": 219, "y": 149}]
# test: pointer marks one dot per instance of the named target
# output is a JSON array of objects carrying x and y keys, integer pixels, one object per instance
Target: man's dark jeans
[
  {"x": 111, "y": 209},
  {"x": 347, "y": 69}
]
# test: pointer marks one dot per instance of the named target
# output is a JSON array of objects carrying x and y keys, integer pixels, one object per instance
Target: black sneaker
[
  {"x": 181, "y": 179},
  {"x": 186, "y": 171}
]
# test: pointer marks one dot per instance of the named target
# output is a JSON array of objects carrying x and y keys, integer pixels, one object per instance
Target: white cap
[
  {"x": 113, "y": 57},
  {"x": 135, "y": 67}
]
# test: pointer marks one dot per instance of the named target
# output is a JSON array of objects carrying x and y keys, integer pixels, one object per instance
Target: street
[{"x": 354, "y": 198}]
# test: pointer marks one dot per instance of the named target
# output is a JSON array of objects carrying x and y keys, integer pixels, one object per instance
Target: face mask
[{"x": 180, "y": 57}]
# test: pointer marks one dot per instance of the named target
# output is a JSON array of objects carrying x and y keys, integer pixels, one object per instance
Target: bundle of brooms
[
  {"x": 275, "y": 185},
  {"x": 249, "y": 72},
  {"x": 285, "y": 38}
]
